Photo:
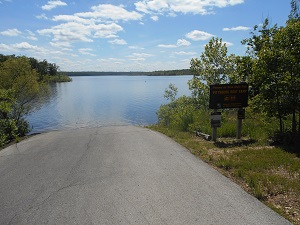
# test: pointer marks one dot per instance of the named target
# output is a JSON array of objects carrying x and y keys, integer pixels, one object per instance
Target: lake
[{"x": 94, "y": 101}]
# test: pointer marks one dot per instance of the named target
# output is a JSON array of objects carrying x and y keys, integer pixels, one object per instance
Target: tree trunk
[
  {"x": 294, "y": 123},
  {"x": 281, "y": 124},
  {"x": 278, "y": 108},
  {"x": 299, "y": 123}
]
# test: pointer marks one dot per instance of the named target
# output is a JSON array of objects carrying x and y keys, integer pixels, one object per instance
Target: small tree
[
  {"x": 276, "y": 69},
  {"x": 213, "y": 66},
  {"x": 52, "y": 69},
  {"x": 171, "y": 92},
  {"x": 8, "y": 126},
  {"x": 288, "y": 41},
  {"x": 294, "y": 14},
  {"x": 21, "y": 82}
]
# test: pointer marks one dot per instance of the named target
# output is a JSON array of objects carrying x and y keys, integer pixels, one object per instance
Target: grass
[
  {"x": 58, "y": 78},
  {"x": 271, "y": 174}
]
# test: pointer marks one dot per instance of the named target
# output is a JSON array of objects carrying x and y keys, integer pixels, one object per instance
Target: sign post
[
  {"x": 240, "y": 117},
  {"x": 228, "y": 96},
  {"x": 215, "y": 119}
]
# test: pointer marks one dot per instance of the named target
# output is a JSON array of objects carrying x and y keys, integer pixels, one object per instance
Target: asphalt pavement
[{"x": 118, "y": 175}]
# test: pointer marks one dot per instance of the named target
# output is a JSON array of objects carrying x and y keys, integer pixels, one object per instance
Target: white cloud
[
  {"x": 86, "y": 26},
  {"x": 118, "y": 42},
  {"x": 42, "y": 16},
  {"x": 239, "y": 28},
  {"x": 135, "y": 47},
  {"x": 108, "y": 62},
  {"x": 1, "y": 2},
  {"x": 172, "y": 7},
  {"x": 74, "y": 32},
  {"x": 185, "y": 53},
  {"x": 31, "y": 36},
  {"x": 115, "y": 60},
  {"x": 142, "y": 55},
  {"x": 61, "y": 44},
  {"x": 25, "y": 46},
  {"x": 53, "y": 4},
  {"x": 197, "y": 35},
  {"x": 72, "y": 18},
  {"x": 5, "y": 47},
  {"x": 86, "y": 51},
  {"x": 180, "y": 42},
  {"x": 183, "y": 42},
  {"x": 167, "y": 46},
  {"x": 155, "y": 18},
  {"x": 228, "y": 44},
  {"x": 11, "y": 32},
  {"x": 110, "y": 12},
  {"x": 22, "y": 46},
  {"x": 69, "y": 32},
  {"x": 138, "y": 57}
]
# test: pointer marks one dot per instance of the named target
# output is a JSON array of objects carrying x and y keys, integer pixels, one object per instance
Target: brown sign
[{"x": 228, "y": 96}]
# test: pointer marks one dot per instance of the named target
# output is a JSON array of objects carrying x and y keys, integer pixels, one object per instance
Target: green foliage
[
  {"x": 214, "y": 66},
  {"x": 23, "y": 84},
  {"x": 20, "y": 91},
  {"x": 254, "y": 166},
  {"x": 294, "y": 14},
  {"x": 178, "y": 114},
  {"x": 182, "y": 114},
  {"x": 8, "y": 127},
  {"x": 275, "y": 79},
  {"x": 46, "y": 71},
  {"x": 171, "y": 93},
  {"x": 60, "y": 77}
]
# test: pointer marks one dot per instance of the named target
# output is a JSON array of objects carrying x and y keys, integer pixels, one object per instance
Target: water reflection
[{"x": 102, "y": 101}]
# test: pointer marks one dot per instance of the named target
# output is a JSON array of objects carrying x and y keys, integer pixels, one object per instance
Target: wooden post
[
  {"x": 240, "y": 117},
  {"x": 214, "y": 131},
  {"x": 239, "y": 129}
]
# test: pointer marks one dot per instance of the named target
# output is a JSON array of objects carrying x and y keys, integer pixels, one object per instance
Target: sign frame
[{"x": 224, "y": 96}]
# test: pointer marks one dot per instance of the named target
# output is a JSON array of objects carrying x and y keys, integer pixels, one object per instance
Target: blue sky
[{"x": 129, "y": 35}]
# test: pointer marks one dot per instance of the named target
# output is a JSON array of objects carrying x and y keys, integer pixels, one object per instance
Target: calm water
[{"x": 103, "y": 101}]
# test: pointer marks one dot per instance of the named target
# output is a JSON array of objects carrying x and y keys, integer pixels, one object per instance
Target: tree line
[
  {"x": 46, "y": 71},
  {"x": 141, "y": 73},
  {"x": 271, "y": 67}
]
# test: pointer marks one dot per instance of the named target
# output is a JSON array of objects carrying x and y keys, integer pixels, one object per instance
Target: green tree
[
  {"x": 8, "y": 126},
  {"x": 20, "y": 92},
  {"x": 171, "y": 92},
  {"x": 213, "y": 66},
  {"x": 294, "y": 14},
  {"x": 52, "y": 69},
  {"x": 265, "y": 83},
  {"x": 288, "y": 41},
  {"x": 42, "y": 68},
  {"x": 275, "y": 81}
]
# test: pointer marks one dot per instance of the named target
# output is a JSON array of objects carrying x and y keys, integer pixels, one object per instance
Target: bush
[
  {"x": 20, "y": 90},
  {"x": 178, "y": 114},
  {"x": 8, "y": 131}
]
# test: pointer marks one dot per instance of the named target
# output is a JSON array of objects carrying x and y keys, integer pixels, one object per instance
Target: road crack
[{"x": 37, "y": 206}]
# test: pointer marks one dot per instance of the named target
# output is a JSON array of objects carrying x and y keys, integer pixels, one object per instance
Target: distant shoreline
[{"x": 154, "y": 73}]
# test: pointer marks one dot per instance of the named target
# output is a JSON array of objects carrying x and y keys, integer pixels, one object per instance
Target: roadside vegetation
[
  {"x": 265, "y": 162},
  {"x": 23, "y": 85}
]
